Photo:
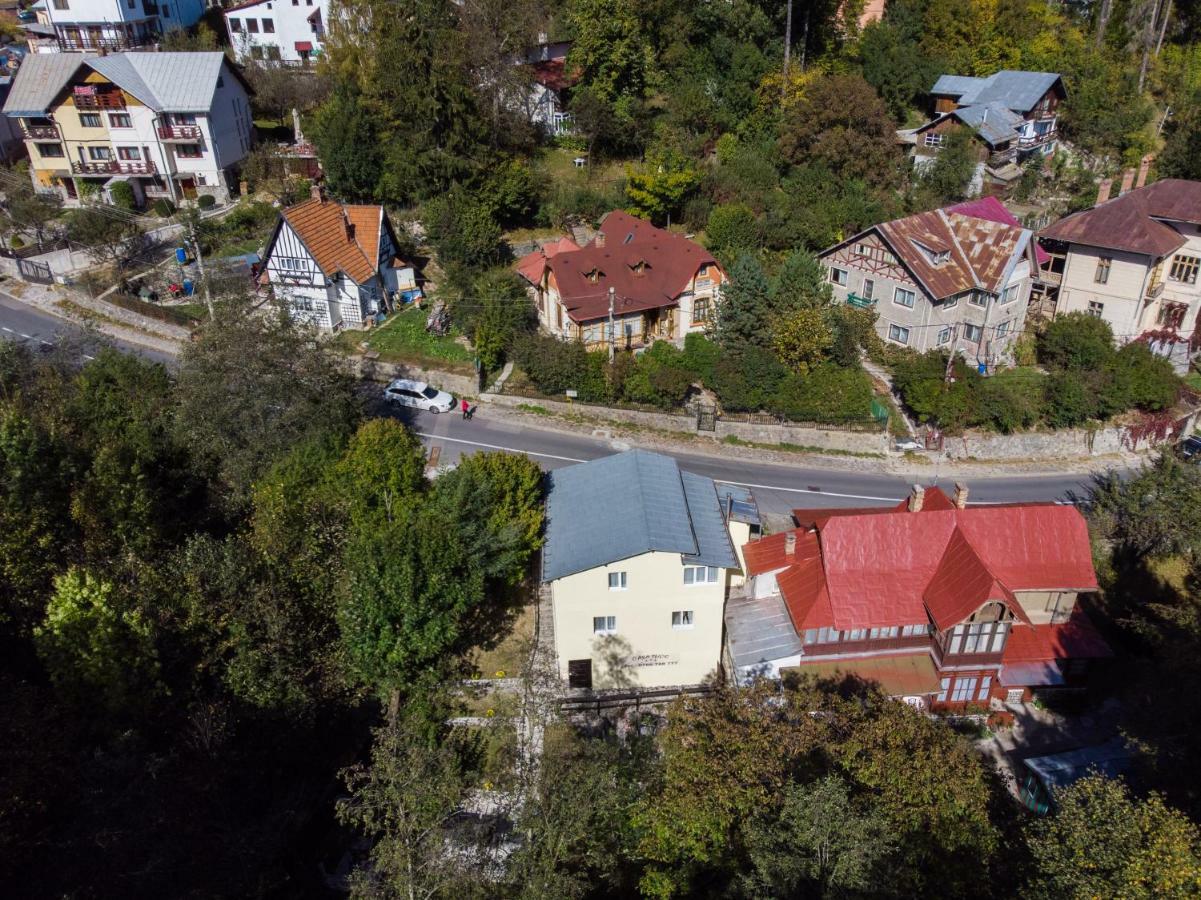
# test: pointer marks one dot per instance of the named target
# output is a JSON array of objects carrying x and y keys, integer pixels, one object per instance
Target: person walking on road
[{"x": 466, "y": 408}]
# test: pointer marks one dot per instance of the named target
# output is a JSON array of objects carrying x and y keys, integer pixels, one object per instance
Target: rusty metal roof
[{"x": 1131, "y": 222}]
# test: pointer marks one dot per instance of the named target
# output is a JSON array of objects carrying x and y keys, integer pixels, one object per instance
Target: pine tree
[
  {"x": 800, "y": 284},
  {"x": 744, "y": 315}
]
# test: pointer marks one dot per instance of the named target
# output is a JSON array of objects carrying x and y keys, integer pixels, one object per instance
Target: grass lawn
[
  {"x": 510, "y": 655},
  {"x": 559, "y": 166},
  {"x": 403, "y": 338},
  {"x": 1193, "y": 380}
]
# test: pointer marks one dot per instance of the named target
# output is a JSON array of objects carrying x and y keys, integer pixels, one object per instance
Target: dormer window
[
  {"x": 639, "y": 267},
  {"x": 593, "y": 275},
  {"x": 935, "y": 255}
]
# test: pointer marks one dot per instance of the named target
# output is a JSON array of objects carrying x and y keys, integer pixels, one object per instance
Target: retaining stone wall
[
  {"x": 383, "y": 372},
  {"x": 662, "y": 421},
  {"x": 1073, "y": 442},
  {"x": 875, "y": 442}
]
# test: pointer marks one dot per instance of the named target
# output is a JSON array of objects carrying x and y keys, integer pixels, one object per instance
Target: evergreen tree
[
  {"x": 744, "y": 314},
  {"x": 801, "y": 283}
]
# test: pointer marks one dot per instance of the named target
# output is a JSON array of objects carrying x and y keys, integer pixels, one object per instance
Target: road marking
[
  {"x": 442, "y": 437},
  {"x": 85, "y": 356},
  {"x": 28, "y": 337},
  {"x": 6, "y": 328}
]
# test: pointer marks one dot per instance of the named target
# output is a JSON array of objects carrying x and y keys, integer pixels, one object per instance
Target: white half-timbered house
[{"x": 334, "y": 265}]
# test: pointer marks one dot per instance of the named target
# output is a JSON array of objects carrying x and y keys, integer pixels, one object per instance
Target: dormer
[
  {"x": 936, "y": 256},
  {"x": 594, "y": 275},
  {"x": 639, "y": 266}
]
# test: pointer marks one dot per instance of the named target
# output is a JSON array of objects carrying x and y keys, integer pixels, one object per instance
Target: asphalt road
[
  {"x": 24, "y": 323},
  {"x": 777, "y": 487}
]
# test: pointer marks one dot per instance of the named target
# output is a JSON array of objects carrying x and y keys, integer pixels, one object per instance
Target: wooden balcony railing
[
  {"x": 114, "y": 167},
  {"x": 41, "y": 132},
  {"x": 179, "y": 132},
  {"x": 102, "y": 100}
]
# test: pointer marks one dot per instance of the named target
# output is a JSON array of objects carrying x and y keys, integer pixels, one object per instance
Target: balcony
[
  {"x": 100, "y": 100},
  {"x": 114, "y": 167},
  {"x": 861, "y": 302},
  {"x": 1036, "y": 140},
  {"x": 41, "y": 132},
  {"x": 189, "y": 133}
]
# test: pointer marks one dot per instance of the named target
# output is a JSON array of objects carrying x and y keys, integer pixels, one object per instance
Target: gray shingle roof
[
  {"x": 173, "y": 82},
  {"x": 621, "y": 506},
  {"x": 993, "y": 121},
  {"x": 1019, "y": 91}
]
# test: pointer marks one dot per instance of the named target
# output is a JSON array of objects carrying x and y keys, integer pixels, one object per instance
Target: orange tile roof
[{"x": 322, "y": 225}]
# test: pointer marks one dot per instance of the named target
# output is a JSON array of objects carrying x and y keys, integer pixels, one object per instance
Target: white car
[{"x": 418, "y": 394}]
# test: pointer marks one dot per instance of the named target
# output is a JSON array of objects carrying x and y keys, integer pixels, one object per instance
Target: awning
[
  {"x": 904, "y": 675},
  {"x": 1030, "y": 674},
  {"x": 304, "y": 46}
]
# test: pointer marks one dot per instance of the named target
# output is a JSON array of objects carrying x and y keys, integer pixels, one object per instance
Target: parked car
[
  {"x": 907, "y": 445},
  {"x": 1190, "y": 448},
  {"x": 418, "y": 394}
]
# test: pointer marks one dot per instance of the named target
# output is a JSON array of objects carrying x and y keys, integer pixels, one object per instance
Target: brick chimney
[
  {"x": 790, "y": 544},
  {"x": 1127, "y": 181},
  {"x": 315, "y": 192},
  {"x": 961, "y": 492},
  {"x": 917, "y": 498},
  {"x": 599, "y": 240},
  {"x": 1103, "y": 190},
  {"x": 1143, "y": 168}
]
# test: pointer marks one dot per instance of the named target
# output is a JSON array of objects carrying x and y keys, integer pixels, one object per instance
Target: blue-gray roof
[
  {"x": 1061, "y": 770},
  {"x": 992, "y": 121},
  {"x": 738, "y": 504},
  {"x": 1019, "y": 91},
  {"x": 622, "y": 506}
]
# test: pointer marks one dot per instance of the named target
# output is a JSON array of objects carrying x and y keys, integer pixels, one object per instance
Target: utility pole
[
  {"x": 190, "y": 224},
  {"x": 612, "y": 331},
  {"x": 949, "y": 377}
]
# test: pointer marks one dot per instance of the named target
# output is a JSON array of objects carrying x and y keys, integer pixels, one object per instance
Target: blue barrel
[
  {"x": 181, "y": 255},
  {"x": 188, "y": 288}
]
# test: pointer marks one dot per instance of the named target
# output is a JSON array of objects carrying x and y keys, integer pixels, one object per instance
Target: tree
[
  {"x": 801, "y": 284},
  {"x": 744, "y": 314},
  {"x": 659, "y": 188},
  {"x": 31, "y": 210},
  {"x": 96, "y": 645},
  {"x": 802, "y": 339},
  {"x": 949, "y": 177},
  {"x": 1076, "y": 341},
  {"x": 1103, "y": 842},
  {"x": 1153, "y": 515},
  {"x": 463, "y": 230},
  {"x": 500, "y": 31},
  {"x": 732, "y": 230},
  {"x": 280, "y": 89},
  {"x": 267, "y": 170},
  {"x": 842, "y": 124},
  {"x": 497, "y": 312},
  {"x": 1181, "y": 157},
  {"x": 250, "y": 388},
  {"x": 610, "y": 51},
  {"x": 346, "y": 136},
  {"x": 105, "y": 234},
  {"x": 893, "y": 64},
  {"x": 186, "y": 40}
]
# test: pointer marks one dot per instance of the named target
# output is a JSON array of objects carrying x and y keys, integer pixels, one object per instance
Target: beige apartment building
[
  {"x": 1133, "y": 261},
  {"x": 945, "y": 279},
  {"x": 638, "y": 558}
]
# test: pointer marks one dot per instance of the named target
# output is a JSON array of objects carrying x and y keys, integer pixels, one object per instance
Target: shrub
[
  {"x": 17, "y": 242},
  {"x": 1140, "y": 380},
  {"x": 463, "y": 230},
  {"x": 748, "y": 380},
  {"x": 556, "y": 366},
  {"x": 1010, "y": 400},
  {"x": 731, "y": 231},
  {"x": 829, "y": 393},
  {"x": 164, "y": 207},
  {"x": 1071, "y": 399},
  {"x": 1076, "y": 341},
  {"x": 700, "y": 357},
  {"x": 206, "y": 201},
  {"x": 122, "y": 194},
  {"x": 659, "y": 377}
]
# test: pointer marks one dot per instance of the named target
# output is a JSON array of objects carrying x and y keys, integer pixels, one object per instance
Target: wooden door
[{"x": 579, "y": 673}]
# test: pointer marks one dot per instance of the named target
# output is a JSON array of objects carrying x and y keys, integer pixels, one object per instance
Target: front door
[
  {"x": 188, "y": 186},
  {"x": 579, "y": 673}
]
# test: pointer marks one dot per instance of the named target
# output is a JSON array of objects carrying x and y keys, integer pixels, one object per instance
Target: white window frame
[
  {"x": 932, "y": 139},
  {"x": 985, "y": 687},
  {"x": 965, "y": 688},
  {"x": 1003, "y": 328},
  {"x": 1010, "y": 293},
  {"x": 836, "y": 273},
  {"x": 604, "y": 624},
  {"x": 868, "y": 290},
  {"x": 968, "y": 332},
  {"x": 700, "y": 575},
  {"x": 898, "y": 292},
  {"x": 945, "y": 685},
  {"x": 898, "y": 334},
  {"x": 1096, "y": 308},
  {"x": 944, "y": 335},
  {"x": 618, "y": 581},
  {"x": 682, "y": 619}
]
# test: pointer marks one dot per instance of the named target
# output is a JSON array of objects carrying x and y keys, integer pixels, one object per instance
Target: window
[
  {"x": 978, "y": 298},
  {"x": 1095, "y": 308},
  {"x": 978, "y": 637},
  {"x": 903, "y": 297},
  {"x": 862, "y": 250},
  {"x": 951, "y": 303},
  {"x": 838, "y": 276},
  {"x": 61, "y": 4},
  {"x": 915, "y": 630},
  {"x": 183, "y": 119},
  {"x": 50, "y": 151},
  {"x": 898, "y": 334},
  {"x": 945, "y": 684},
  {"x": 944, "y": 335},
  {"x": 100, "y": 153},
  {"x": 810, "y": 636},
  {"x": 235, "y": 25},
  {"x": 188, "y": 151},
  {"x": 883, "y": 633},
  {"x": 252, "y": 25},
  {"x": 828, "y": 636},
  {"x": 268, "y": 26},
  {"x": 273, "y": 52},
  {"x": 1010, "y": 293},
  {"x": 972, "y": 333},
  {"x": 1101, "y": 276},
  {"x": 700, "y": 310},
  {"x": 129, "y": 153},
  {"x": 985, "y": 684},
  {"x": 700, "y": 575},
  {"x": 119, "y": 120},
  {"x": 869, "y": 288},
  {"x": 617, "y": 581},
  {"x": 1003, "y": 329},
  {"x": 933, "y": 139},
  {"x": 857, "y": 634},
  {"x": 131, "y": 3},
  {"x": 965, "y": 689},
  {"x": 1184, "y": 268},
  {"x": 90, "y": 120},
  {"x": 681, "y": 619},
  {"x": 604, "y": 624}
]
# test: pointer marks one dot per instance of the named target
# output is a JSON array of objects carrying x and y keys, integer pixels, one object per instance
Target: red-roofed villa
[
  {"x": 662, "y": 286},
  {"x": 939, "y": 602}
]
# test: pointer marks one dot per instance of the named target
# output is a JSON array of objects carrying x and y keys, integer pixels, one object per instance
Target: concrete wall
[
  {"x": 1069, "y": 443},
  {"x": 1121, "y": 295},
  {"x": 646, "y": 650},
  {"x": 383, "y": 372},
  {"x": 661, "y": 421}
]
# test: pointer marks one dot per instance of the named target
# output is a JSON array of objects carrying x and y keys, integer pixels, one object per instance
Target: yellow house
[{"x": 638, "y": 558}]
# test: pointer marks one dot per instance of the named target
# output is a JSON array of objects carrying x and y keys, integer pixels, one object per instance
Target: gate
[
  {"x": 706, "y": 417},
  {"x": 32, "y": 270}
]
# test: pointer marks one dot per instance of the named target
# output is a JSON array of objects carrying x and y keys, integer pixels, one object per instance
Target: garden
[{"x": 403, "y": 338}]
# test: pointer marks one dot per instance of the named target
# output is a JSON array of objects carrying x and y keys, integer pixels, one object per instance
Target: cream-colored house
[
  {"x": 638, "y": 558},
  {"x": 1133, "y": 261}
]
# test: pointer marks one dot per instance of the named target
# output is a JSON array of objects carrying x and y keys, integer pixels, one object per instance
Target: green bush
[
  {"x": 123, "y": 196},
  {"x": 164, "y": 207},
  {"x": 731, "y": 231},
  {"x": 828, "y": 393},
  {"x": 1140, "y": 380},
  {"x": 749, "y": 380},
  {"x": 659, "y": 377},
  {"x": 1076, "y": 341},
  {"x": 700, "y": 357},
  {"x": 206, "y": 201},
  {"x": 1010, "y": 400},
  {"x": 556, "y": 366},
  {"x": 1071, "y": 399}
]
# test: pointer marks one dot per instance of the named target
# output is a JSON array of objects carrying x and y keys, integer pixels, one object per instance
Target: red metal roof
[
  {"x": 533, "y": 264},
  {"x": 1076, "y": 638},
  {"x": 885, "y": 567},
  {"x": 1130, "y": 222},
  {"x": 995, "y": 211}
]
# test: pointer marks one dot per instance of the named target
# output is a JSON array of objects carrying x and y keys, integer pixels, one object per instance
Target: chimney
[
  {"x": 1103, "y": 190},
  {"x": 1127, "y": 181},
  {"x": 599, "y": 240},
  {"x": 315, "y": 192},
  {"x": 961, "y": 492},
  {"x": 1143, "y": 168},
  {"x": 917, "y": 498},
  {"x": 790, "y": 544}
]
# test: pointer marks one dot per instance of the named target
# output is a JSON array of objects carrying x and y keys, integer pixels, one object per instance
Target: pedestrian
[{"x": 466, "y": 407}]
